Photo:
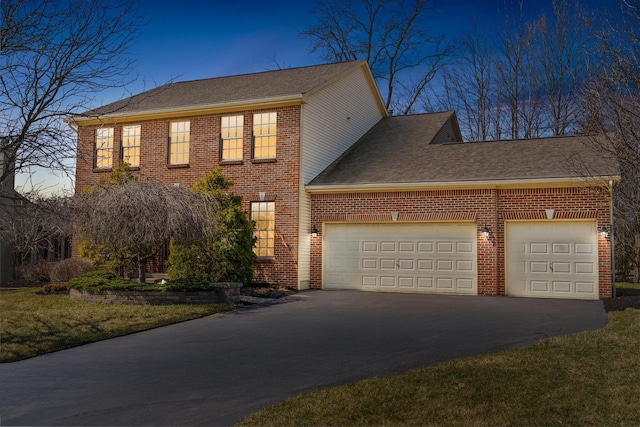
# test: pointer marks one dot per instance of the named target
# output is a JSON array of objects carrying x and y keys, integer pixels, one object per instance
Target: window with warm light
[
  {"x": 104, "y": 148},
  {"x": 131, "y": 145},
  {"x": 263, "y": 215},
  {"x": 264, "y": 135},
  {"x": 179, "y": 138},
  {"x": 231, "y": 129}
]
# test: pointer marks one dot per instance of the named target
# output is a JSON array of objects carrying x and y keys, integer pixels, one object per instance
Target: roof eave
[
  {"x": 453, "y": 185},
  {"x": 194, "y": 110}
]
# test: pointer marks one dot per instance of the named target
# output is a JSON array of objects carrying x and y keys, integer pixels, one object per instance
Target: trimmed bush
[
  {"x": 67, "y": 269},
  {"x": 36, "y": 272},
  {"x": 229, "y": 258}
]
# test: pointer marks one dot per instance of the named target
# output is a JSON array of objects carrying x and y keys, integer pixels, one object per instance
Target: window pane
[
  {"x": 231, "y": 133},
  {"x": 264, "y": 133},
  {"x": 131, "y": 145},
  {"x": 263, "y": 214},
  {"x": 179, "y": 139},
  {"x": 104, "y": 148}
]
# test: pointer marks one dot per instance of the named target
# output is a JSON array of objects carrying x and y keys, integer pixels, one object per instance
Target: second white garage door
[
  {"x": 552, "y": 259},
  {"x": 428, "y": 258}
]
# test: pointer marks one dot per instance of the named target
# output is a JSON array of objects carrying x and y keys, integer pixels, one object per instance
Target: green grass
[
  {"x": 591, "y": 378},
  {"x": 627, "y": 289},
  {"x": 32, "y": 324}
]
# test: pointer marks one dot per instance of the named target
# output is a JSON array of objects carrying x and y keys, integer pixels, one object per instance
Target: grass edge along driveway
[
  {"x": 32, "y": 324},
  {"x": 591, "y": 378}
]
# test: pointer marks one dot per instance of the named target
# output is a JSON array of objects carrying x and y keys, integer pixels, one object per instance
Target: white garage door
[
  {"x": 552, "y": 259},
  {"x": 429, "y": 258}
]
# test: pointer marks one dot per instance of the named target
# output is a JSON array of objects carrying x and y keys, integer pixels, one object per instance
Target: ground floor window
[{"x": 263, "y": 215}]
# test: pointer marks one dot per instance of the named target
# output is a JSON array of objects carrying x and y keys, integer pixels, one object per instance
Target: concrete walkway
[{"x": 218, "y": 369}]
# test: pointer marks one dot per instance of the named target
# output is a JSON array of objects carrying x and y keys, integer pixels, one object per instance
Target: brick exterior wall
[
  {"x": 490, "y": 207},
  {"x": 278, "y": 179}
]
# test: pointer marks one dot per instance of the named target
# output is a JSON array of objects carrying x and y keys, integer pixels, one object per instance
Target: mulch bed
[
  {"x": 621, "y": 303},
  {"x": 266, "y": 291}
]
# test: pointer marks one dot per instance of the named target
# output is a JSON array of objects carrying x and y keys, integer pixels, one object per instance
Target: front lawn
[
  {"x": 591, "y": 378},
  {"x": 33, "y": 324}
]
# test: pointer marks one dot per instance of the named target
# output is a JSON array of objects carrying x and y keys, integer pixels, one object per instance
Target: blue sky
[{"x": 196, "y": 39}]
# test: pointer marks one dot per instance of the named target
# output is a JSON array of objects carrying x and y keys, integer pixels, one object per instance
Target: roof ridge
[{"x": 260, "y": 72}]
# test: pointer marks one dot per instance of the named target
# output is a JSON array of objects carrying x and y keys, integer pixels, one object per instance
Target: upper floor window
[
  {"x": 104, "y": 148},
  {"x": 179, "y": 137},
  {"x": 264, "y": 135},
  {"x": 131, "y": 145},
  {"x": 263, "y": 214},
  {"x": 231, "y": 138}
]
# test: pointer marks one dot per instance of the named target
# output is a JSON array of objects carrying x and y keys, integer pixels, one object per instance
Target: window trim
[
  {"x": 271, "y": 241},
  {"x": 255, "y": 136},
  {"x": 222, "y": 140},
  {"x": 139, "y": 144},
  {"x": 187, "y": 142},
  {"x": 96, "y": 150}
]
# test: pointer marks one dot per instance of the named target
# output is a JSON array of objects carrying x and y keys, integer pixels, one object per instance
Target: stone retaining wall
[{"x": 223, "y": 293}]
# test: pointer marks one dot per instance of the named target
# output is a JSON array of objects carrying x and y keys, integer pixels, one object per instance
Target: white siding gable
[{"x": 333, "y": 118}]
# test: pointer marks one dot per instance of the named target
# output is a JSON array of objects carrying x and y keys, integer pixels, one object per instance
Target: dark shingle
[
  {"x": 246, "y": 87},
  {"x": 398, "y": 150}
]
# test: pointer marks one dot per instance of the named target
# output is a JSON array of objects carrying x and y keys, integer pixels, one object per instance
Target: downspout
[{"x": 611, "y": 242}]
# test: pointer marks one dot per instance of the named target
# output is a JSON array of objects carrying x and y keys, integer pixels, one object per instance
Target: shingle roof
[
  {"x": 245, "y": 87},
  {"x": 397, "y": 150}
]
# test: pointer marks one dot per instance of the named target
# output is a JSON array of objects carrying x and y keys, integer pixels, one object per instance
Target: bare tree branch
[{"x": 54, "y": 55}]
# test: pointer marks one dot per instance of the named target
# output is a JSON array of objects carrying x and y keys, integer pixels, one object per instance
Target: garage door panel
[
  {"x": 584, "y": 248},
  {"x": 370, "y": 247},
  {"x": 407, "y": 247},
  {"x": 395, "y": 257},
  {"x": 466, "y": 284},
  {"x": 585, "y": 287},
  {"x": 425, "y": 283},
  {"x": 387, "y": 247},
  {"x": 425, "y": 247},
  {"x": 539, "y": 248},
  {"x": 444, "y": 265},
  {"x": 559, "y": 286},
  {"x": 559, "y": 259},
  {"x": 444, "y": 247},
  {"x": 388, "y": 281},
  {"x": 464, "y": 247},
  {"x": 388, "y": 264},
  {"x": 464, "y": 265},
  {"x": 562, "y": 267},
  {"x": 406, "y": 264},
  {"x": 584, "y": 267},
  {"x": 369, "y": 281},
  {"x": 370, "y": 264},
  {"x": 425, "y": 264}
]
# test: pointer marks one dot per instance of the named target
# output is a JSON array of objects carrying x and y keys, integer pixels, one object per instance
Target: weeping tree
[{"x": 138, "y": 217}]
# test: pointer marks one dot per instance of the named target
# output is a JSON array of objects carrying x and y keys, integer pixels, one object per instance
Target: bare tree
[
  {"x": 613, "y": 103},
  {"x": 525, "y": 83},
  {"x": 468, "y": 87},
  {"x": 54, "y": 54},
  {"x": 392, "y": 36},
  {"x": 562, "y": 51},
  {"x": 36, "y": 223},
  {"x": 139, "y": 217}
]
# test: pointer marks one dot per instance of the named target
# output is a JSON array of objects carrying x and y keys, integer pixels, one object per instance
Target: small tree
[
  {"x": 230, "y": 256},
  {"x": 36, "y": 223},
  {"x": 138, "y": 217}
]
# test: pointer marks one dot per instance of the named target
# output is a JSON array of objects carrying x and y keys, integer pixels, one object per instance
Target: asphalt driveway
[{"x": 218, "y": 369}]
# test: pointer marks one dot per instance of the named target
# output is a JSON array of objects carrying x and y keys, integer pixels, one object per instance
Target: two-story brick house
[
  {"x": 271, "y": 132},
  {"x": 346, "y": 197}
]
